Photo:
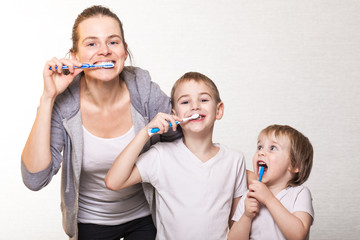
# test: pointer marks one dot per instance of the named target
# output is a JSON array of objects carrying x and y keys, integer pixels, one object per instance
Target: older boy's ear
[
  {"x": 219, "y": 110},
  {"x": 173, "y": 111}
]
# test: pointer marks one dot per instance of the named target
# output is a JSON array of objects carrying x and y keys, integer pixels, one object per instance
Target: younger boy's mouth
[{"x": 261, "y": 164}]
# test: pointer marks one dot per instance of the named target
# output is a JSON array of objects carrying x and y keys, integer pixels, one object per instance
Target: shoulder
[
  {"x": 136, "y": 77},
  {"x": 231, "y": 153}
]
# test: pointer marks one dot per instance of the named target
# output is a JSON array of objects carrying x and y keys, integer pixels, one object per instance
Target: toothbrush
[
  {"x": 155, "y": 130},
  {"x": 261, "y": 172},
  {"x": 86, "y": 65}
]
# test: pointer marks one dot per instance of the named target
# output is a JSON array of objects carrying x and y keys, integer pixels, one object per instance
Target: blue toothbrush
[
  {"x": 151, "y": 131},
  {"x": 86, "y": 65},
  {"x": 261, "y": 173}
]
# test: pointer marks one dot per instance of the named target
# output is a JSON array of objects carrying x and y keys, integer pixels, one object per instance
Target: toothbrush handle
[
  {"x": 85, "y": 65},
  {"x": 155, "y": 130},
  {"x": 261, "y": 173}
]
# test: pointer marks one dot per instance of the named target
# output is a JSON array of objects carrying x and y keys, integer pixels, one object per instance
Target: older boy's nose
[{"x": 195, "y": 105}]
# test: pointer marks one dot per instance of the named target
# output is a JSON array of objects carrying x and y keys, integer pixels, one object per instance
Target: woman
[{"x": 84, "y": 120}]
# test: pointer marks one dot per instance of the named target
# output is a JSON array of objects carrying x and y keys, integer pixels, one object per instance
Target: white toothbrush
[
  {"x": 86, "y": 65},
  {"x": 151, "y": 131}
]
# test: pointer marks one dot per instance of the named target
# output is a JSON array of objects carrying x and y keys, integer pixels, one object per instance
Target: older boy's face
[
  {"x": 274, "y": 154},
  {"x": 196, "y": 97}
]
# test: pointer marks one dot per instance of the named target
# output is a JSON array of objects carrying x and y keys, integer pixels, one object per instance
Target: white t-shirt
[
  {"x": 97, "y": 204},
  {"x": 193, "y": 198},
  {"x": 294, "y": 199}
]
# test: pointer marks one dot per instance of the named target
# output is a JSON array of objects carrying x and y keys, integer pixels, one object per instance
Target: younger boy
[
  {"x": 279, "y": 207},
  {"x": 198, "y": 183}
]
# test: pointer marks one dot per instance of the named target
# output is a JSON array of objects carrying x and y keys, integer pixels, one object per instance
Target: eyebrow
[
  {"x": 93, "y": 37},
  {"x": 187, "y": 95}
]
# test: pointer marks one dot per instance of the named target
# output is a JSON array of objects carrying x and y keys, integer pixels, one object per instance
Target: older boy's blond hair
[
  {"x": 301, "y": 151},
  {"x": 197, "y": 77}
]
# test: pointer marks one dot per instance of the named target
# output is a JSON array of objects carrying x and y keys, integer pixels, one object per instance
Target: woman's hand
[
  {"x": 162, "y": 120},
  {"x": 55, "y": 81}
]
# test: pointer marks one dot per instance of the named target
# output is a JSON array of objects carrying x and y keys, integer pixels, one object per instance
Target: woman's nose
[{"x": 104, "y": 49}]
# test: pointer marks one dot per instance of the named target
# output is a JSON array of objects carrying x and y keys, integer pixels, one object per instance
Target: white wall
[{"x": 274, "y": 61}]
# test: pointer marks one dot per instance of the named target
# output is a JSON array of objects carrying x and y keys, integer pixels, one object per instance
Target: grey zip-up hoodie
[{"x": 147, "y": 100}]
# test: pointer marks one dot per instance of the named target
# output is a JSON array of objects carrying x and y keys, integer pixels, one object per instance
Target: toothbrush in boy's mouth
[
  {"x": 261, "y": 172},
  {"x": 151, "y": 131},
  {"x": 262, "y": 165}
]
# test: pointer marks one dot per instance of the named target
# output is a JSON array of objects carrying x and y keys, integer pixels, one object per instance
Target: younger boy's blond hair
[{"x": 301, "y": 151}]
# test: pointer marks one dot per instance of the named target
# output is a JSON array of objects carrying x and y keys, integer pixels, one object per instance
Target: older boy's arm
[
  {"x": 250, "y": 176},
  {"x": 293, "y": 226},
  {"x": 123, "y": 172},
  {"x": 240, "y": 229}
]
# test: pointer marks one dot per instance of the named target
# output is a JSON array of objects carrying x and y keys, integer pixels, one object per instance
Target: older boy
[{"x": 198, "y": 183}]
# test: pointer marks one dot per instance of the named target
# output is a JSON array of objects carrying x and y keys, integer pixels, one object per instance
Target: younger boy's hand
[
  {"x": 162, "y": 120},
  {"x": 260, "y": 192},
  {"x": 252, "y": 207}
]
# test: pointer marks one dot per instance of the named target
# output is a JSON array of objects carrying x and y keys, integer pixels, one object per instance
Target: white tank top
[{"x": 97, "y": 204}]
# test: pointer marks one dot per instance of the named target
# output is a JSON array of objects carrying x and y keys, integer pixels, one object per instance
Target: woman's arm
[{"x": 36, "y": 155}]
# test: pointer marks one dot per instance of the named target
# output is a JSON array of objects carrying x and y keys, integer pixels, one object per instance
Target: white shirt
[
  {"x": 193, "y": 197},
  {"x": 294, "y": 199},
  {"x": 97, "y": 204}
]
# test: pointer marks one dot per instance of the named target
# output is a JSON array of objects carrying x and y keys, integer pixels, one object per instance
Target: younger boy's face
[
  {"x": 274, "y": 154},
  {"x": 192, "y": 97}
]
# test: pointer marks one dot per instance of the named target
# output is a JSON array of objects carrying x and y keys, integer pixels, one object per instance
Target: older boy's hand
[
  {"x": 260, "y": 192},
  {"x": 161, "y": 121}
]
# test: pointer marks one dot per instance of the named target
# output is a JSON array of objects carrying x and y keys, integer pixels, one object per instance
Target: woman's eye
[{"x": 113, "y": 43}]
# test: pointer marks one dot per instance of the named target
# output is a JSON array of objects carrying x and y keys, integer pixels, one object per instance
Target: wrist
[{"x": 47, "y": 99}]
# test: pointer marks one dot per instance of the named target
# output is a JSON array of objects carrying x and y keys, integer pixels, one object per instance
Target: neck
[
  {"x": 102, "y": 93},
  {"x": 201, "y": 146},
  {"x": 277, "y": 187}
]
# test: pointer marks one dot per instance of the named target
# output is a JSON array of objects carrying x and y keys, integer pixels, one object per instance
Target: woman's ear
[
  {"x": 219, "y": 110},
  {"x": 73, "y": 55}
]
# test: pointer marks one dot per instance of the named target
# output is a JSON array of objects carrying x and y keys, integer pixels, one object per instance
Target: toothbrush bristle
[
  {"x": 108, "y": 65},
  {"x": 195, "y": 116}
]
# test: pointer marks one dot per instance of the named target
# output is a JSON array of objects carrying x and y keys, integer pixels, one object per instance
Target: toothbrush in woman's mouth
[
  {"x": 87, "y": 65},
  {"x": 192, "y": 117}
]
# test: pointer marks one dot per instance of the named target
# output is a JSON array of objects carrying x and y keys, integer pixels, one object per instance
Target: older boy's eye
[
  {"x": 91, "y": 44},
  {"x": 184, "y": 102}
]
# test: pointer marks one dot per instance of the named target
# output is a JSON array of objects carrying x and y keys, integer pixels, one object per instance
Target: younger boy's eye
[
  {"x": 273, "y": 148},
  {"x": 204, "y": 100},
  {"x": 259, "y": 147}
]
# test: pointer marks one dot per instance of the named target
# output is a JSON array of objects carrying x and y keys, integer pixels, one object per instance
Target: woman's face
[{"x": 100, "y": 40}]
